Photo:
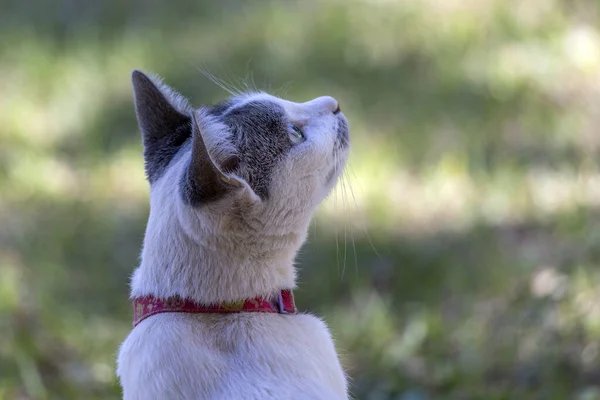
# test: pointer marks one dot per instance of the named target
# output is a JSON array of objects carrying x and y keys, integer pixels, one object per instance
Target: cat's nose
[{"x": 324, "y": 104}]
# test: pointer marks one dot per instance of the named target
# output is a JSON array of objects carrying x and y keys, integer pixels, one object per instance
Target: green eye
[{"x": 296, "y": 134}]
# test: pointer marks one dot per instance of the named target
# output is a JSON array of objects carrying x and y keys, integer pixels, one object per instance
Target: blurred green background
[{"x": 458, "y": 259}]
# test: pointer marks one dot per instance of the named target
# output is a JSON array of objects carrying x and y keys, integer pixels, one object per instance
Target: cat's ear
[
  {"x": 211, "y": 173},
  {"x": 163, "y": 117},
  {"x": 159, "y": 109}
]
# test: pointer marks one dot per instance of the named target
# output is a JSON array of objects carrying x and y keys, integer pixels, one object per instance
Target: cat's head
[{"x": 253, "y": 156}]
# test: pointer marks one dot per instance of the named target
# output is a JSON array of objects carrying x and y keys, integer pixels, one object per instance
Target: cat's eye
[{"x": 296, "y": 135}]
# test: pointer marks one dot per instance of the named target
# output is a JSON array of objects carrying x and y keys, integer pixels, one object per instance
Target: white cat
[{"x": 233, "y": 188}]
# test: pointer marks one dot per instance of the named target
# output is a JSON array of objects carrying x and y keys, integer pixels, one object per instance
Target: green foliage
[{"x": 457, "y": 260}]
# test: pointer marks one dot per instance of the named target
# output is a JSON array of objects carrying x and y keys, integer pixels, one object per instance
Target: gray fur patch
[
  {"x": 159, "y": 154},
  {"x": 219, "y": 109},
  {"x": 260, "y": 133}
]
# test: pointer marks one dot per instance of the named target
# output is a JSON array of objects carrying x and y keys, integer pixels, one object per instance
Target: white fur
[{"x": 239, "y": 247}]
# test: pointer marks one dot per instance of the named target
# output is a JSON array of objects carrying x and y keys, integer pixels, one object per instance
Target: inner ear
[{"x": 210, "y": 175}]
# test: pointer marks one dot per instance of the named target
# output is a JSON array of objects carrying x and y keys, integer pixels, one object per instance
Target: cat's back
[{"x": 236, "y": 356}]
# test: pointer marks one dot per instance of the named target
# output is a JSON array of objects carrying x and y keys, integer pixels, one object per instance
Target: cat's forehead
[
  {"x": 257, "y": 97},
  {"x": 256, "y": 100}
]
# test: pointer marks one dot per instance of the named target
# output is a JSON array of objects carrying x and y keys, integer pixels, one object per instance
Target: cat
[{"x": 233, "y": 187}]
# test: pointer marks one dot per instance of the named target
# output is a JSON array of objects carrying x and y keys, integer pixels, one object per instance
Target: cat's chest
[{"x": 283, "y": 354}]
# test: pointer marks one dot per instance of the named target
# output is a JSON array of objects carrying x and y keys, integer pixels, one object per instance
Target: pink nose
[{"x": 324, "y": 104}]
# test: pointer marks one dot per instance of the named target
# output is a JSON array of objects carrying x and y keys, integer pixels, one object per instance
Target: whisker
[
  {"x": 337, "y": 243},
  {"x": 234, "y": 84},
  {"x": 315, "y": 229},
  {"x": 282, "y": 91},
  {"x": 337, "y": 246},
  {"x": 219, "y": 82},
  {"x": 229, "y": 82},
  {"x": 345, "y": 172},
  {"x": 365, "y": 230},
  {"x": 252, "y": 81},
  {"x": 211, "y": 77},
  {"x": 249, "y": 79},
  {"x": 345, "y": 221},
  {"x": 243, "y": 83}
]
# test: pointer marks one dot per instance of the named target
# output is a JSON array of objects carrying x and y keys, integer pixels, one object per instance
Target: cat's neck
[{"x": 183, "y": 256}]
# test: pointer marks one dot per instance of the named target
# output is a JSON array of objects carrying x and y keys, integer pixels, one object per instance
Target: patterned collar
[{"x": 146, "y": 306}]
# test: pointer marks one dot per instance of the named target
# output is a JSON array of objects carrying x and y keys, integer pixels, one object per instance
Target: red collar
[{"x": 145, "y": 306}]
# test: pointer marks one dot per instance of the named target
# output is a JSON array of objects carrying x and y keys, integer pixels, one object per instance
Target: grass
[{"x": 463, "y": 263}]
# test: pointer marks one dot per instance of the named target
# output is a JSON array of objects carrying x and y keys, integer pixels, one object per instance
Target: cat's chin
[
  {"x": 334, "y": 173},
  {"x": 332, "y": 176}
]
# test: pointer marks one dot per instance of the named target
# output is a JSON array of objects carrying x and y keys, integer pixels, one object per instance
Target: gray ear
[
  {"x": 206, "y": 180},
  {"x": 164, "y": 120}
]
